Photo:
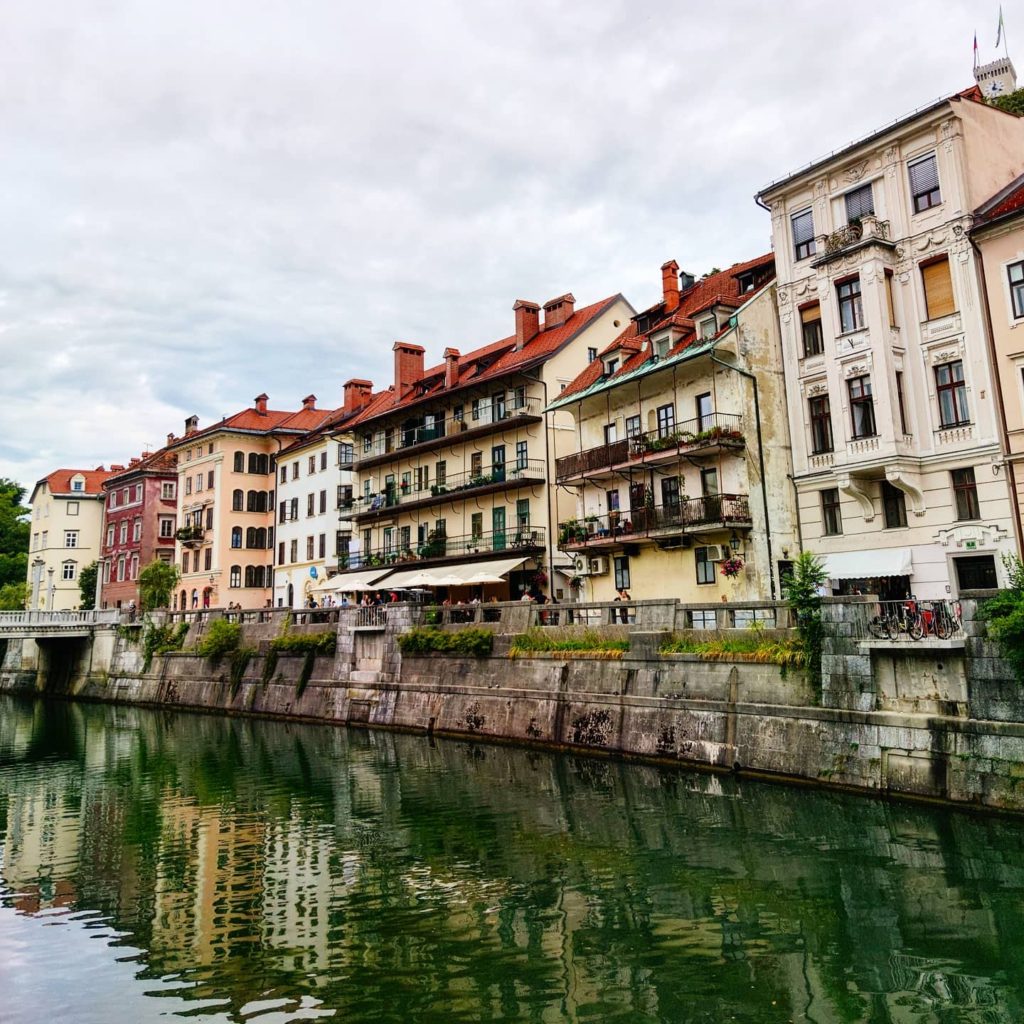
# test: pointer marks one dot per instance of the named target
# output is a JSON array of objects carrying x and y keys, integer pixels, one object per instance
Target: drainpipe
[
  {"x": 760, "y": 463},
  {"x": 549, "y": 491},
  {"x": 997, "y": 384}
]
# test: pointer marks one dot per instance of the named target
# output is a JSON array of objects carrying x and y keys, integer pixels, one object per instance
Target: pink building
[{"x": 139, "y": 522}]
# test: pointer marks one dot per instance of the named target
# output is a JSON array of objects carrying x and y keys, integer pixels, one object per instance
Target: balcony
[
  {"x": 711, "y": 434},
  {"x": 483, "y": 420},
  {"x": 439, "y": 548},
  {"x": 398, "y": 498},
  {"x": 190, "y": 536},
  {"x": 861, "y": 232},
  {"x": 713, "y": 511}
]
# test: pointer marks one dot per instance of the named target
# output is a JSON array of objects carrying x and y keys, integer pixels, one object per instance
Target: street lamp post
[{"x": 49, "y": 589}]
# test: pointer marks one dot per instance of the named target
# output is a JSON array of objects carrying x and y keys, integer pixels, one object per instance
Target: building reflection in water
[{"x": 390, "y": 878}]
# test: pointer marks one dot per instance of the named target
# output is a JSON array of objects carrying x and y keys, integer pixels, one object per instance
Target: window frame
[
  {"x": 831, "y": 512},
  {"x": 924, "y": 200},
  {"x": 951, "y": 395},
  {"x": 821, "y": 417},
  {"x": 862, "y": 407},
  {"x": 1016, "y": 289},
  {"x": 803, "y": 247},
  {"x": 894, "y": 506},
  {"x": 704, "y": 568},
  {"x": 969, "y": 508},
  {"x": 850, "y": 304},
  {"x": 812, "y": 334}
]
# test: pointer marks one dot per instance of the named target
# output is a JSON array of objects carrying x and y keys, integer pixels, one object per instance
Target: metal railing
[
  {"x": 913, "y": 620},
  {"x": 688, "y": 514},
  {"x": 374, "y": 616},
  {"x": 713, "y": 430},
  {"x": 437, "y": 547},
  {"x": 457, "y": 483}
]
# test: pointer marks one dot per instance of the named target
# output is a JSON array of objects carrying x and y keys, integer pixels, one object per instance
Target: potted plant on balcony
[
  {"x": 572, "y": 531},
  {"x": 732, "y": 567}
]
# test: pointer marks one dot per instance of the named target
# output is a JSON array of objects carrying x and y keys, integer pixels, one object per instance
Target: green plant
[
  {"x": 87, "y": 579},
  {"x": 239, "y": 663},
  {"x": 1004, "y": 615},
  {"x": 803, "y": 592},
  {"x": 221, "y": 637},
  {"x": 156, "y": 584},
  {"x": 751, "y": 645},
  {"x": 1012, "y": 102},
  {"x": 323, "y": 642},
  {"x": 432, "y": 616},
  {"x": 269, "y": 666},
  {"x": 13, "y": 597},
  {"x": 477, "y": 643},
  {"x": 161, "y": 640},
  {"x": 535, "y": 640}
]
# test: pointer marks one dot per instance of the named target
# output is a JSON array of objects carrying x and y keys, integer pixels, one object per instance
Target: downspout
[
  {"x": 760, "y": 463},
  {"x": 549, "y": 491},
  {"x": 997, "y": 384}
]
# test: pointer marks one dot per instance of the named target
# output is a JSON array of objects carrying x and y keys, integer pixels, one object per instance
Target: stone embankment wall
[{"x": 937, "y": 719}]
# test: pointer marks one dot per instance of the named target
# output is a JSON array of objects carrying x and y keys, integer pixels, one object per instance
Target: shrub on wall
[
  {"x": 161, "y": 640},
  {"x": 323, "y": 642},
  {"x": 535, "y": 640},
  {"x": 1004, "y": 614},
  {"x": 476, "y": 643},
  {"x": 221, "y": 637},
  {"x": 803, "y": 592}
]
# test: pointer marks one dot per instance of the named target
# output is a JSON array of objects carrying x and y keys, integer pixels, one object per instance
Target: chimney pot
[
  {"x": 408, "y": 365},
  {"x": 451, "y": 367},
  {"x": 191, "y": 425},
  {"x": 527, "y": 321},
  {"x": 170, "y": 438},
  {"x": 309, "y": 402},
  {"x": 261, "y": 403},
  {"x": 557, "y": 311},
  {"x": 670, "y": 285},
  {"x": 357, "y": 395}
]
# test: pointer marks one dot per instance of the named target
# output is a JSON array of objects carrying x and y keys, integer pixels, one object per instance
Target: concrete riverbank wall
[{"x": 941, "y": 719}]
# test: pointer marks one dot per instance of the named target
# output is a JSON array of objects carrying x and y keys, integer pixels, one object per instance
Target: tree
[
  {"x": 13, "y": 597},
  {"x": 14, "y": 533},
  {"x": 1012, "y": 102},
  {"x": 87, "y": 585},
  {"x": 803, "y": 592},
  {"x": 156, "y": 584}
]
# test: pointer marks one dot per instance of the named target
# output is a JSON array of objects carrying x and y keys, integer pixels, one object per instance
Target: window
[
  {"x": 1016, "y": 274},
  {"x": 476, "y": 525},
  {"x": 859, "y": 203},
  {"x": 322, "y": 545},
  {"x": 259, "y": 463},
  {"x": 311, "y": 541},
  {"x": 69, "y": 570},
  {"x": 123, "y": 532},
  {"x": 71, "y": 538},
  {"x": 890, "y": 305},
  {"x": 475, "y": 413},
  {"x": 293, "y": 553},
  {"x": 422, "y": 478},
  {"x": 345, "y": 453},
  {"x": 367, "y": 442},
  {"x": 72, "y": 508},
  {"x": 821, "y": 424},
  {"x": 166, "y": 528},
  {"x": 632, "y": 426},
  {"x": 924, "y": 183},
  {"x": 137, "y": 530},
  {"x": 323, "y": 459},
  {"x": 938, "y": 288},
  {"x": 236, "y": 536},
  {"x": 519, "y": 397},
  {"x": 239, "y": 463},
  {"x": 862, "y": 407},
  {"x": 235, "y": 576},
  {"x": 622, "y": 581},
  {"x": 669, "y": 493},
  {"x": 208, "y": 559},
  {"x": 611, "y": 433},
  {"x": 280, "y": 553},
  {"x": 167, "y": 490},
  {"x": 965, "y": 494},
  {"x": 803, "y": 234},
  {"x": 237, "y": 500},
  {"x": 441, "y": 473},
  {"x": 705, "y": 567},
  {"x": 284, "y": 474},
  {"x": 209, "y": 517},
  {"x": 112, "y": 502},
  {"x": 126, "y": 496},
  {"x": 293, "y": 510},
  {"x": 894, "y": 506},
  {"x": 831, "y": 517},
  {"x": 209, "y": 480},
  {"x": 323, "y": 502},
  {"x": 709, "y": 481},
  {"x": 708, "y": 328},
  {"x": 78, "y": 484},
  {"x": 810, "y": 318},
  {"x": 611, "y": 366},
  {"x": 498, "y": 463},
  {"x": 311, "y": 464},
  {"x": 110, "y": 537},
  {"x": 666, "y": 420},
  {"x": 704, "y": 409},
  {"x": 612, "y": 500},
  {"x": 476, "y": 464},
  {"x": 851, "y": 309},
  {"x": 591, "y": 354},
  {"x": 900, "y": 402},
  {"x": 199, "y": 482},
  {"x": 295, "y": 470},
  {"x": 120, "y": 569},
  {"x": 522, "y": 454},
  {"x": 458, "y": 413},
  {"x": 188, "y": 485},
  {"x": 952, "y": 394},
  {"x": 522, "y": 513}
]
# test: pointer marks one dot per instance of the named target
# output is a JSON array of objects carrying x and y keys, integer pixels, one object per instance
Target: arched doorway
[{"x": 291, "y": 596}]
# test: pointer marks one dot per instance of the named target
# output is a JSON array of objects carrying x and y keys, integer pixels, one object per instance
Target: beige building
[
  {"x": 67, "y": 519},
  {"x": 892, "y": 403},
  {"x": 453, "y": 462},
  {"x": 226, "y": 503},
  {"x": 680, "y": 472},
  {"x": 998, "y": 237}
]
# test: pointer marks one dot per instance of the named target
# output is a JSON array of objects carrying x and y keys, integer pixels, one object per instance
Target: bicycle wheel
[
  {"x": 943, "y": 624},
  {"x": 892, "y": 627},
  {"x": 915, "y": 627}
]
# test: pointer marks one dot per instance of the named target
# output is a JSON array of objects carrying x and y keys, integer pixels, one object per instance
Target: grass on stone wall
[
  {"x": 751, "y": 645},
  {"x": 476, "y": 643},
  {"x": 541, "y": 641}
]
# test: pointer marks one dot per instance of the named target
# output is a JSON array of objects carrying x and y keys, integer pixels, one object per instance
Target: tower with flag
[{"x": 998, "y": 77}]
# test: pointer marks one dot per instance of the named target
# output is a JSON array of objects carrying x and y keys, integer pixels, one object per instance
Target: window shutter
[
  {"x": 803, "y": 227},
  {"x": 924, "y": 176},
  {"x": 811, "y": 314},
  {"x": 860, "y": 203},
  {"x": 938, "y": 289}
]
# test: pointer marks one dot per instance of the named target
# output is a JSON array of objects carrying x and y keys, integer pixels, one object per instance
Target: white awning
[
  {"x": 459, "y": 574},
  {"x": 345, "y": 581},
  {"x": 864, "y": 565}
]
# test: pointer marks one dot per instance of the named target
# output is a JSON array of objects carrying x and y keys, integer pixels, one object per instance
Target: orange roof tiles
[{"x": 59, "y": 481}]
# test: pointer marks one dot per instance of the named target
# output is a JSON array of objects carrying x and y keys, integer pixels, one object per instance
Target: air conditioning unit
[
  {"x": 598, "y": 566},
  {"x": 581, "y": 565},
  {"x": 716, "y": 553}
]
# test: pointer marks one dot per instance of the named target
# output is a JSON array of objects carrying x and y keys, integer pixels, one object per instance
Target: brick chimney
[
  {"x": 191, "y": 425},
  {"x": 451, "y": 367},
  {"x": 670, "y": 285},
  {"x": 408, "y": 365},
  {"x": 115, "y": 468},
  {"x": 134, "y": 461},
  {"x": 527, "y": 321},
  {"x": 557, "y": 311},
  {"x": 357, "y": 395},
  {"x": 170, "y": 438},
  {"x": 261, "y": 404},
  {"x": 309, "y": 402}
]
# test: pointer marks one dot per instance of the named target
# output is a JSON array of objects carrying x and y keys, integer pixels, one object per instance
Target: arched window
[
  {"x": 261, "y": 501},
  {"x": 259, "y": 463},
  {"x": 236, "y": 536},
  {"x": 261, "y": 537},
  {"x": 250, "y": 537},
  {"x": 240, "y": 462},
  {"x": 184, "y": 600},
  {"x": 237, "y": 499},
  {"x": 235, "y": 576},
  {"x": 258, "y": 574},
  {"x": 250, "y": 501},
  {"x": 250, "y": 576}
]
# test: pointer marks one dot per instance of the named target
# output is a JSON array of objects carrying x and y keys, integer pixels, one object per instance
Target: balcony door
[
  {"x": 498, "y": 463},
  {"x": 705, "y": 413},
  {"x": 498, "y": 529}
]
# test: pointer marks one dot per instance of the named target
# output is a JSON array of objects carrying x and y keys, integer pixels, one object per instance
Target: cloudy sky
[{"x": 202, "y": 201}]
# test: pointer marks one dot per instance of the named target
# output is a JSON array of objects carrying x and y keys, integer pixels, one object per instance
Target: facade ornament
[
  {"x": 852, "y": 488},
  {"x": 895, "y": 476},
  {"x": 856, "y": 172},
  {"x": 818, "y": 389}
]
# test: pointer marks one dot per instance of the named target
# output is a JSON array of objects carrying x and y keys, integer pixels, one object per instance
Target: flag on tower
[
  {"x": 999, "y": 31},
  {"x": 975, "y": 49}
]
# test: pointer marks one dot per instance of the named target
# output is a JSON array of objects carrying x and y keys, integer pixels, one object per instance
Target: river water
[{"x": 156, "y": 864}]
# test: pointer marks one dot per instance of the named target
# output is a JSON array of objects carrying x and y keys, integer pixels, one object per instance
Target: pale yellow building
[
  {"x": 893, "y": 407},
  {"x": 680, "y": 472},
  {"x": 454, "y": 462},
  {"x": 67, "y": 519}
]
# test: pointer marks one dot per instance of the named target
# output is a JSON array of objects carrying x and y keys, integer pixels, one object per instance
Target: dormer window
[
  {"x": 611, "y": 365},
  {"x": 661, "y": 346},
  {"x": 78, "y": 483},
  {"x": 745, "y": 283},
  {"x": 708, "y": 328}
]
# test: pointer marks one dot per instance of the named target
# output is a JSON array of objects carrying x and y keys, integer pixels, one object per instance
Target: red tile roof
[
  {"x": 163, "y": 461},
  {"x": 720, "y": 289},
  {"x": 251, "y": 420},
  {"x": 59, "y": 481},
  {"x": 488, "y": 362},
  {"x": 1006, "y": 201}
]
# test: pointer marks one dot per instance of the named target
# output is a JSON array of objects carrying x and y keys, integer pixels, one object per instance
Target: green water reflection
[{"x": 236, "y": 869}]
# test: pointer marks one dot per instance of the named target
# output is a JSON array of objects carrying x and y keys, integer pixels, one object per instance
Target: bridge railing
[{"x": 97, "y": 617}]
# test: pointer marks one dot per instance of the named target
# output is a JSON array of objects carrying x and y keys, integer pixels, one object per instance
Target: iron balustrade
[
  {"x": 912, "y": 620},
  {"x": 713, "y": 430},
  {"x": 725, "y": 510},
  {"x": 397, "y": 495}
]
